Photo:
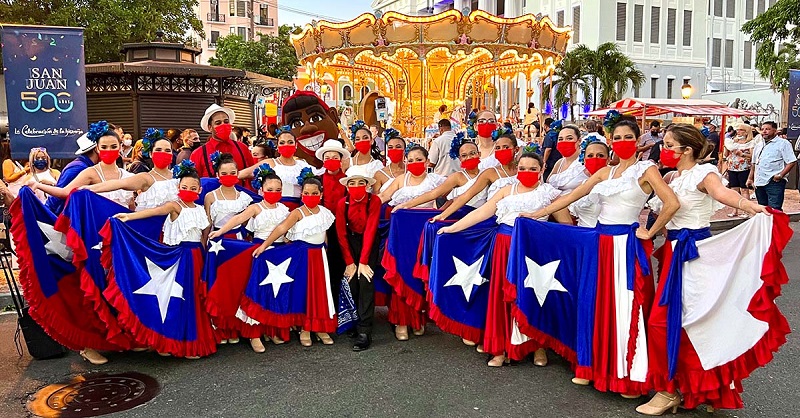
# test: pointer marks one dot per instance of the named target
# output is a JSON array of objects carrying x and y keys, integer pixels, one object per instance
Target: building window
[
  {"x": 474, "y": 5},
  {"x": 501, "y": 8},
  {"x": 730, "y": 9},
  {"x": 716, "y": 52},
  {"x": 622, "y": 20},
  {"x": 212, "y": 42},
  {"x": 772, "y": 2},
  {"x": 655, "y": 23},
  {"x": 232, "y": 7},
  {"x": 748, "y": 9},
  {"x": 729, "y": 53},
  {"x": 761, "y": 6},
  {"x": 718, "y": 8},
  {"x": 687, "y": 28},
  {"x": 653, "y": 87},
  {"x": 670, "y": 83},
  {"x": 636, "y": 92},
  {"x": 242, "y": 31},
  {"x": 576, "y": 24},
  {"x": 241, "y": 8},
  {"x": 364, "y": 92},
  {"x": 748, "y": 55},
  {"x": 347, "y": 93},
  {"x": 560, "y": 18},
  {"x": 638, "y": 22},
  {"x": 671, "y": 20}
]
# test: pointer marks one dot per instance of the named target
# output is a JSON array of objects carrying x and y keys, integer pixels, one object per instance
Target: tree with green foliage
[
  {"x": 569, "y": 77},
  {"x": 271, "y": 55},
  {"x": 108, "y": 23},
  {"x": 777, "y": 31}
]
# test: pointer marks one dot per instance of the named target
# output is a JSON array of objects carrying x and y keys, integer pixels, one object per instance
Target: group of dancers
[{"x": 347, "y": 220}]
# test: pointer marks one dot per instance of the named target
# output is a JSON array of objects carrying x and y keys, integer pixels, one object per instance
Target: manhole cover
[{"x": 94, "y": 394}]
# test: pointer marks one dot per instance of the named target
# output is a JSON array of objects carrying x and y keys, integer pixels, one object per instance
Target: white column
[
  {"x": 460, "y": 4},
  {"x": 488, "y": 5}
]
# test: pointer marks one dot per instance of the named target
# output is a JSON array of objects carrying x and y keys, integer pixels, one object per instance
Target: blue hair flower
[
  {"x": 502, "y": 130},
  {"x": 215, "y": 158},
  {"x": 281, "y": 129},
  {"x": 305, "y": 174},
  {"x": 705, "y": 131},
  {"x": 97, "y": 130},
  {"x": 355, "y": 127},
  {"x": 611, "y": 119},
  {"x": 150, "y": 137},
  {"x": 260, "y": 174},
  {"x": 533, "y": 148},
  {"x": 390, "y": 134},
  {"x": 588, "y": 140},
  {"x": 185, "y": 167},
  {"x": 459, "y": 140},
  {"x": 409, "y": 147},
  {"x": 471, "y": 131}
]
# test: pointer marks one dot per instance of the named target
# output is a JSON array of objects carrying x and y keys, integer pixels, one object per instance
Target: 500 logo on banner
[{"x": 46, "y": 79}]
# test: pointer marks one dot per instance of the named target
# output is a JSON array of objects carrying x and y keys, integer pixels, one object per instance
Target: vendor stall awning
[{"x": 655, "y": 107}]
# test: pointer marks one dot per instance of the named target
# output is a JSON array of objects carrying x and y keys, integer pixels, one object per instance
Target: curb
[{"x": 726, "y": 224}]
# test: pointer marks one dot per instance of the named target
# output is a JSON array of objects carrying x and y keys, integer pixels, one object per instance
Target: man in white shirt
[
  {"x": 773, "y": 159},
  {"x": 439, "y": 152}
]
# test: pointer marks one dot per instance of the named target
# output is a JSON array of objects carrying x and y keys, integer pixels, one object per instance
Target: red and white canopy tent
[{"x": 690, "y": 107}]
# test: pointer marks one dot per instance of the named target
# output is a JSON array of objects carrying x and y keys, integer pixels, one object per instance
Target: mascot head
[{"x": 311, "y": 121}]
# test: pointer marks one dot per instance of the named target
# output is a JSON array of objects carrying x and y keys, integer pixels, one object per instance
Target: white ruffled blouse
[
  {"x": 312, "y": 228},
  {"x": 187, "y": 227},
  {"x": 477, "y": 200},
  {"x": 121, "y": 197},
  {"x": 569, "y": 179},
  {"x": 406, "y": 193},
  {"x": 267, "y": 220},
  {"x": 621, "y": 199},
  {"x": 510, "y": 207},
  {"x": 289, "y": 173},
  {"x": 696, "y": 207},
  {"x": 222, "y": 210},
  {"x": 159, "y": 193}
]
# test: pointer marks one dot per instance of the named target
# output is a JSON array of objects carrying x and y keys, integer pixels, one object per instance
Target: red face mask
[
  {"x": 311, "y": 201},
  {"x": 357, "y": 192},
  {"x": 624, "y": 149},
  {"x": 528, "y": 178},
  {"x": 505, "y": 156},
  {"x": 332, "y": 165},
  {"x": 223, "y": 132},
  {"x": 395, "y": 155},
  {"x": 228, "y": 180},
  {"x": 566, "y": 148},
  {"x": 363, "y": 146},
  {"x": 188, "y": 196},
  {"x": 485, "y": 129},
  {"x": 668, "y": 158},
  {"x": 161, "y": 159},
  {"x": 108, "y": 156},
  {"x": 273, "y": 197},
  {"x": 594, "y": 164},
  {"x": 287, "y": 151},
  {"x": 470, "y": 163},
  {"x": 416, "y": 168}
]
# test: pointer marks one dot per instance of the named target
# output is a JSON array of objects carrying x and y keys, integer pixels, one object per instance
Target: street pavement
[{"x": 430, "y": 376}]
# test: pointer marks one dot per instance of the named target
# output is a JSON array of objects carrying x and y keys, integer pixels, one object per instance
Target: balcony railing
[
  {"x": 216, "y": 17},
  {"x": 265, "y": 21},
  {"x": 212, "y": 45}
]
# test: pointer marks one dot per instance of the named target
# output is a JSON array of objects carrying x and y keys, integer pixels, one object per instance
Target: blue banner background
[
  {"x": 45, "y": 89},
  {"x": 793, "y": 131}
]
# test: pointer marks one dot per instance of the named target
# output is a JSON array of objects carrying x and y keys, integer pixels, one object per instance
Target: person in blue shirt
[{"x": 87, "y": 157}]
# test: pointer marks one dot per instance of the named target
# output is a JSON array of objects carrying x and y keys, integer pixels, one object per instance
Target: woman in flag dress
[
  {"x": 623, "y": 298},
  {"x": 594, "y": 156},
  {"x": 568, "y": 172},
  {"x": 366, "y": 154},
  {"x": 459, "y": 182},
  {"x": 395, "y": 156},
  {"x": 221, "y": 205},
  {"x": 155, "y": 187},
  {"x": 261, "y": 218},
  {"x": 415, "y": 182},
  {"x": 700, "y": 191},
  {"x": 527, "y": 195},
  {"x": 108, "y": 147},
  {"x": 492, "y": 179},
  {"x": 309, "y": 223},
  {"x": 187, "y": 226},
  {"x": 286, "y": 167}
]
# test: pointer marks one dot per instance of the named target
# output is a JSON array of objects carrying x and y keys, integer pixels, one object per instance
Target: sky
[{"x": 342, "y": 10}]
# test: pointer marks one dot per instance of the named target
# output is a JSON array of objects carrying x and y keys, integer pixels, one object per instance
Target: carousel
[{"x": 420, "y": 63}]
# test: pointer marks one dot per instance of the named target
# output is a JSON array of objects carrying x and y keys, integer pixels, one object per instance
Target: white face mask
[{"x": 127, "y": 142}]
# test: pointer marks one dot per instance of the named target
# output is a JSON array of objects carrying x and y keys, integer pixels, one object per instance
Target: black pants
[
  {"x": 363, "y": 290},
  {"x": 335, "y": 263}
]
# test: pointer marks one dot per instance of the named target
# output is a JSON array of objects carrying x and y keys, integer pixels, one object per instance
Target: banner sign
[
  {"x": 45, "y": 89},
  {"x": 793, "y": 131}
]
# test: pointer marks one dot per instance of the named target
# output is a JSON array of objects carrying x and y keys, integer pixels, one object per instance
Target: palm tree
[
  {"x": 611, "y": 73},
  {"x": 569, "y": 77}
]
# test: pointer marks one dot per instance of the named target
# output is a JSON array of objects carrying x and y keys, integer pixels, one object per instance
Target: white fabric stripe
[
  {"x": 246, "y": 319},
  {"x": 623, "y": 299},
  {"x": 331, "y": 307},
  {"x": 517, "y": 337},
  {"x": 719, "y": 286}
]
